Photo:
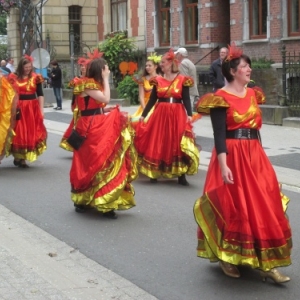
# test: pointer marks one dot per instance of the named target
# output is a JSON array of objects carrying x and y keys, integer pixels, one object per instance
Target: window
[
  {"x": 118, "y": 15},
  {"x": 164, "y": 22},
  {"x": 258, "y": 10},
  {"x": 191, "y": 21},
  {"x": 75, "y": 25},
  {"x": 294, "y": 17}
]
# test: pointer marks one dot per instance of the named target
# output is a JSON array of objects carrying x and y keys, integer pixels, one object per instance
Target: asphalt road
[{"x": 153, "y": 245}]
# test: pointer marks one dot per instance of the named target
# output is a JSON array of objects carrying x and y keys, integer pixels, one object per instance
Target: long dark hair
[
  {"x": 20, "y": 69},
  {"x": 233, "y": 64},
  {"x": 94, "y": 69}
]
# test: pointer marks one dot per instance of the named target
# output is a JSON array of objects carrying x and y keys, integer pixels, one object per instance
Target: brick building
[{"x": 260, "y": 27}]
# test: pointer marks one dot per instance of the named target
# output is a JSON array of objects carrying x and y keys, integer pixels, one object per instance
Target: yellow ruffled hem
[
  {"x": 121, "y": 197},
  {"x": 176, "y": 169},
  {"x": 209, "y": 101},
  {"x": 65, "y": 145},
  {"x": 31, "y": 155},
  {"x": 189, "y": 147},
  {"x": 214, "y": 248}
]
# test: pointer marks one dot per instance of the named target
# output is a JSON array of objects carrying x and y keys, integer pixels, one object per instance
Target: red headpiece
[
  {"x": 170, "y": 55},
  {"x": 233, "y": 52},
  {"x": 91, "y": 55},
  {"x": 30, "y": 58}
]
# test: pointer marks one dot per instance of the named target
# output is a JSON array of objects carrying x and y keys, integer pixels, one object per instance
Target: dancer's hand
[
  {"x": 141, "y": 119},
  {"x": 105, "y": 72}
]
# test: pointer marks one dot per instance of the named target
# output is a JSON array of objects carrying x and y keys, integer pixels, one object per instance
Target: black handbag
[
  {"x": 18, "y": 113},
  {"x": 75, "y": 139}
]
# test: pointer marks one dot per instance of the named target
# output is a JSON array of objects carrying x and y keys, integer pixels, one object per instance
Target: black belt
[
  {"x": 243, "y": 133},
  {"x": 90, "y": 112},
  {"x": 27, "y": 97},
  {"x": 170, "y": 100}
]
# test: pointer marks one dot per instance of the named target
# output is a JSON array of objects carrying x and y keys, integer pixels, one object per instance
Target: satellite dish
[{"x": 41, "y": 58}]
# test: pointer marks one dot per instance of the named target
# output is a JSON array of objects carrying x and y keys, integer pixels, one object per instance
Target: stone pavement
[{"x": 36, "y": 265}]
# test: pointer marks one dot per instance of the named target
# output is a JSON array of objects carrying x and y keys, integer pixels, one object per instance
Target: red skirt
[
  {"x": 166, "y": 143},
  {"x": 31, "y": 133},
  {"x": 244, "y": 223},
  {"x": 104, "y": 167}
]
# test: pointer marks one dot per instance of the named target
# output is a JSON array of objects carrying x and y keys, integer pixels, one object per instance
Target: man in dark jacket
[
  {"x": 215, "y": 71},
  {"x": 56, "y": 83}
]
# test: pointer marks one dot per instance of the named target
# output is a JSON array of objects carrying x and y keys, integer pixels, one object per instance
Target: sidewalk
[{"x": 36, "y": 265}]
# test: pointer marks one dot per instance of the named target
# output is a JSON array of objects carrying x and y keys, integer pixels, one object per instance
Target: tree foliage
[
  {"x": 3, "y": 25},
  {"x": 129, "y": 89},
  {"x": 117, "y": 47}
]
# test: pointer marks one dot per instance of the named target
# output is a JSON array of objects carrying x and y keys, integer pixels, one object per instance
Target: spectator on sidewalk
[
  {"x": 215, "y": 71},
  {"x": 10, "y": 65},
  {"x": 55, "y": 76},
  {"x": 187, "y": 68},
  {"x": 4, "y": 68}
]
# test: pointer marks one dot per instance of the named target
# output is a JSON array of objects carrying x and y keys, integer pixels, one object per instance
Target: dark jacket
[
  {"x": 215, "y": 74},
  {"x": 56, "y": 77}
]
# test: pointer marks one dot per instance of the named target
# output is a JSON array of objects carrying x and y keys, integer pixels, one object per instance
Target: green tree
[
  {"x": 117, "y": 47},
  {"x": 3, "y": 25},
  {"x": 3, "y": 51}
]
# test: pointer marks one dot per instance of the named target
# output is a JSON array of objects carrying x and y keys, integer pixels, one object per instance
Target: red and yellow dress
[
  {"x": 147, "y": 92},
  {"x": 242, "y": 223},
  {"x": 63, "y": 143},
  {"x": 166, "y": 143},
  {"x": 31, "y": 133},
  {"x": 7, "y": 104},
  {"x": 105, "y": 165}
]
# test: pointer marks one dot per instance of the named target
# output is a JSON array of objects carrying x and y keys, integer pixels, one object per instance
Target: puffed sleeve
[
  {"x": 153, "y": 81},
  {"x": 259, "y": 94},
  {"x": 86, "y": 83},
  {"x": 188, "y": 81},
  {"x": 39, "y": 78},
  {"x": 208, "y": 101},
  {"x": 138, "y": 79}
]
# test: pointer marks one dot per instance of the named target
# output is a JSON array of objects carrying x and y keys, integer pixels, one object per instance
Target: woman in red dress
[
  {"x": 8, "y": 101},
  {"x": 165, "y": 143},
  {"x": 63, "y": 143},
  {"x": 105, "y": 165},
  {"x": 241, "y": 214},
  {"x": 31, "y": 133}
]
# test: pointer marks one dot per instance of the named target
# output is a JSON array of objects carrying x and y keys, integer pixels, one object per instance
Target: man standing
[
  {"x": 215, "y": 71},
  {"x": 56, "y": 83},
  {"x": 187, "y": 68},
  {"x": 10, "y": 64}
]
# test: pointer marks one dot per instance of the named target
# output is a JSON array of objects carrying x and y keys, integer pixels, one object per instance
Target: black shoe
[
  {"x": 55, "y": 108},
  {"x": 182, "y": 180},
  {"x": 58, "y": 108},
  {"x": 17, "y": 162},
  {"x": 110, "y": 215},
  {"x": 153, "y": 180},
  {"x": 23, "y": 164},
  {"x": 79, "y": 208}
]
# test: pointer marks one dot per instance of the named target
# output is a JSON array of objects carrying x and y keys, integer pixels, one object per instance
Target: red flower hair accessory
[
  {"x": 91, "y": 55},
  {"x": 170, "y": 55},
  {"x": 233, "y": 52},
  {"x": 30, "y": 58}
]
